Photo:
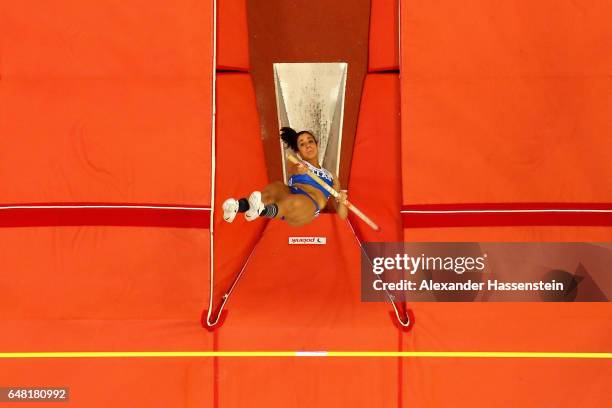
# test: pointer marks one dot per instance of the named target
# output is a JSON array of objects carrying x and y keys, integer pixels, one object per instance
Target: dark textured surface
[{"x": 307, "y": 31}]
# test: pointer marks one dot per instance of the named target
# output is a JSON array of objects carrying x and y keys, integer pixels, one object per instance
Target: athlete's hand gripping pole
[{"x": 336, "y": 194}]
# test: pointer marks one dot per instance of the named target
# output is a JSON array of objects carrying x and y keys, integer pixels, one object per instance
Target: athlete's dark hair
[{"x": 290, "y": 137}]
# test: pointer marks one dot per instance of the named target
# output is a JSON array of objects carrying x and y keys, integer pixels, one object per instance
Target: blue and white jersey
[{"x": 323, "y": 174}]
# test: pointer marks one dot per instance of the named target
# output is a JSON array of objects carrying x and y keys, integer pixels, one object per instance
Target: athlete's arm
[{"x": 294, "y": 169}]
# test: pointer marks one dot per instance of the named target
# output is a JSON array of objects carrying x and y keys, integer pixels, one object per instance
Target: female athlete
[{"x": 299, "y": 202}]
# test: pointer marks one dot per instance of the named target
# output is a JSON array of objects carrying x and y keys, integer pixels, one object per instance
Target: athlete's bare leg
[
  {"x": 274, "y": 192},
  {"x": 295, "y": 208}
]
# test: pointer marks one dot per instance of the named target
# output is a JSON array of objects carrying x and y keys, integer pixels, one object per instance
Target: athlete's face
[{"x": 307, "y": 146}]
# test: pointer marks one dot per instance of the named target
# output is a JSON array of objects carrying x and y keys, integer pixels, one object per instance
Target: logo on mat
[{"x": 307, "y": 240}]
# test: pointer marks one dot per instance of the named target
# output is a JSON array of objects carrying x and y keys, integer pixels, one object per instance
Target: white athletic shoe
[
  {"x": 230, "y": 209},
  {"x": 255, "y": 206}
]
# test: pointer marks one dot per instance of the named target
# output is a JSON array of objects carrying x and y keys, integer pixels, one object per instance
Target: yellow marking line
[{"x": 426, "y": 354}]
